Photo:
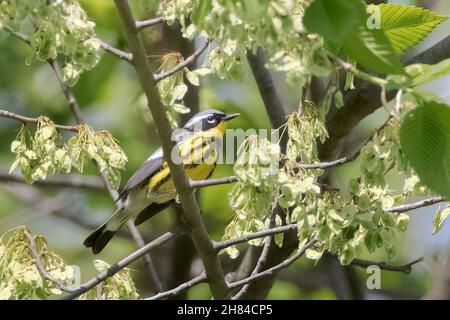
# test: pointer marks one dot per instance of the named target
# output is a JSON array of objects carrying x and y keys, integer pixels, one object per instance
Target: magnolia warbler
[{"x": 151, "y": 188}]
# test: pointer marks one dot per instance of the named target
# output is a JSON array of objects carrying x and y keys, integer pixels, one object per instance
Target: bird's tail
[{"x": 98, "y": 239}]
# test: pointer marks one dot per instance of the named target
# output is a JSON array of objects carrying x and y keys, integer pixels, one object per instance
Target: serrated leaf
[
  {"x": 406, "y": 26},
  {"x": 373, "y": 50},
  {"x": 424, "y": 138}
]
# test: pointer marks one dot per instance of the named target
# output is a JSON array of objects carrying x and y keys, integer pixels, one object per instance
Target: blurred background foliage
[{"x": 110, "y": 98}]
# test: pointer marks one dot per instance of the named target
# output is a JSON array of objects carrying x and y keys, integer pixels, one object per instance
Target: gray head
[{"x": 206, "y": 120}]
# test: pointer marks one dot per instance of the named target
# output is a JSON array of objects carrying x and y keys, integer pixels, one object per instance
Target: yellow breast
[{"x": 199, "y": 159}]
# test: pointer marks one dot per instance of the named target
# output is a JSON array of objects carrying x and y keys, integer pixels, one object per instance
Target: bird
[{"x": 151, "y": 188}]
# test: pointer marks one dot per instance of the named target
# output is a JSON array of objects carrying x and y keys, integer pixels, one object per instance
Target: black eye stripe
[{"x": 202, "y": 121}]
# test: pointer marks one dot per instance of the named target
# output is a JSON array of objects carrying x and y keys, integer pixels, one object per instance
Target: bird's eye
[{"x": 210, "y": 119}]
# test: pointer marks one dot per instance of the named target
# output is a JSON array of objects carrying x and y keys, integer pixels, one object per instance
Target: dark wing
[{"x": 147, "y": 169}]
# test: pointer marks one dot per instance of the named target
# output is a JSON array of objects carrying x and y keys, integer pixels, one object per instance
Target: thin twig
[
  {"x": 186, "y": 62},
  {"x": 18, "y": 117},
  {"x": 266, "y": 273},
  {"x": 181, "y": 288},
  {"x": 384, "y": 266},
  {"x": 67, "y": 181},
  {"x": 67, "y": 90},
  {"x": 360, "y": 74},
  {"x": 259, "y": 266},
  {"x": 127, "y": 56},
  {"x": 105, "y": 46},
  {"x": 227, "y": 243},
  {"x": 40, "y": 264},
  {"x": 260, "y": 234},
  {"x": 18, "y": 35},
  {"x": 124, "y": 263},
  {"x": 212, "y": 182},
  {"x": 142, "y": 24},
  {"x": 416, "y": 205},
  {"x": 346, "y": 159},
  {"x": 147, "y": 258}
]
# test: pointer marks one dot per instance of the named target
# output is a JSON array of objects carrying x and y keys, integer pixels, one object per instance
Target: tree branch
[
  {"x": 68, "y": 93},
  {"x": 65, "y": 181},
  {"x": 270, "y": 232},
  {"x": 201, "y": 278},
  {"x": 212, "y": 182},
  {"x": 123, "y": 263},
  {"x": 255, "y": 235},
  {"x": 260, "y": 275},
  {"x": 18, "y": 117},
  {"x": 349, "y": 158},
  {"x": 186, "y": 62},
  {"x": 126, "y": 56},
  {"x": 269, "y": 272},
  {"x": 147, "y": 257},
  {"x": 415, "y": 205},
  {"x": 259, "y": 266},
  {"x": 366, "y": 99},
  {"x": 142, "y": 24},
  {"x": 198, "y": 232},
  {"x": 40, "y": 264},
  {"x": 384, "y": 266},
  {"x": 274, "y": 107},
  {"x": 440, "y": 51}
]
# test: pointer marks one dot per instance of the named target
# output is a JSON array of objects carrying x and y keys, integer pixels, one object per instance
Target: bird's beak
[{"x": 229, "y": 117}]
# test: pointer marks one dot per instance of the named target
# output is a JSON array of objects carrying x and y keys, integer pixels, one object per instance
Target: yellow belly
[
  {"x": 199, "y": 160},
  {"x": 162, "y": 181}
]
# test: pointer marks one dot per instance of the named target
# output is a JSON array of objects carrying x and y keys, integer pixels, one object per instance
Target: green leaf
[
  {"x": 440, "y": 218},
  {"x": 332, "y": 19},
  {"x": 343, "y": 23},
  {"x": 373, "y": 50},
  {"x": 424, "y": 138},
  {"x": 422, "y": 73},
  {"x": 406, "y": 26}
]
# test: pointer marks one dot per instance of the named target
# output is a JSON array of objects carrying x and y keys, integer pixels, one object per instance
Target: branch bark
[
  {"x": 198, "y": 232},
  {"x": 126, "y": 56},
  {"x": 142, "y": 24},
  {"x": 186, "y": 62},
  {"x": 75, "y": 181},
  {"x": 406, "y": 268},
  {"x": 123, "y": 263},
  {"x": 415, "y": 205},
  {"x": 18, "y": 117},
  {"x": 274, "y": 107},
  {"x": 366, "y": 99},
  {"x": 40, "y": 264}
]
